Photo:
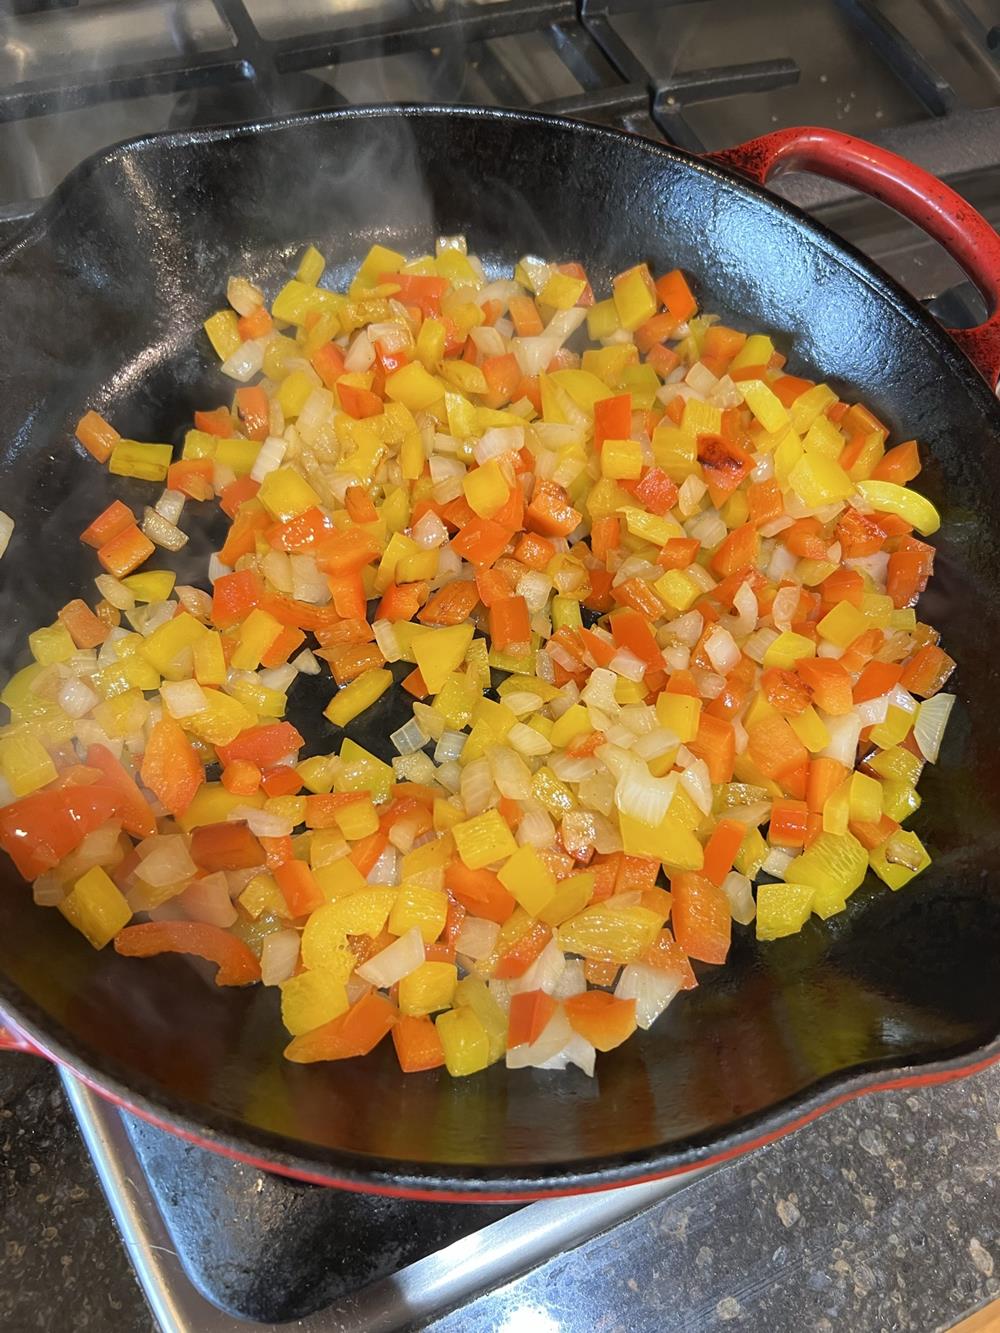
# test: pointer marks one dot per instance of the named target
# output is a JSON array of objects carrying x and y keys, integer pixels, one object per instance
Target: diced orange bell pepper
[
  {"x": 676, "y": 295},
  {"x": 789, "y": 823},
  {"x": 85, "y": 629},
  {"x": 171, "y": 768},
  {"x": 523, "y": 952},
  {"x": 237, "y": 965},
  {"x": 241, "y": 777},
  {"x": 254, "y": 411},
  {"x": 328, "y": 363},
  {"x": 39, "y": 830},
  {"x": 701, "y": 918},
  {"x": 117, "y": 518},
  {"x": 774, "y": 747},
  {"x": 97, "y": 436},
  {"x": 263, "y": 746},
  {"x": 192, "y": 477},
  {"x": 550, "y": 511},
  {"x": 218, "y": 422},
  {"x": 237, "y": 493},
  {"x": 666, "y": 954},
  {"x": 479, "y": 891},
  {"x": 530, "y": 1011},
  {"x": 300, "y": 888},
  {"x": 225, "y": 846},
  {"x": 418, "y": 1046},
  {"x": 927, "y": 671},
  {"x": 825, "y": 776},
  {"x": 282, "y": 780},
  {"x": 830, "y": 683},
  {"x": 136, "y": 816},
  {"x": 450, "y": 605},
  {"x": 126, "y": 552},
  {"x": 715, "y": 742},
  {"x": 601, "y": 1019},
  {"x": 721, "y": 849},
  {"x": 355, "y": 1032},
  {"x": 234, "y": 596}
]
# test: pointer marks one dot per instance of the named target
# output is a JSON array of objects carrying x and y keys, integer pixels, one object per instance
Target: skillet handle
[
  {"x": 11, "y": 1039},
  {"x": 911, "y": 191}
]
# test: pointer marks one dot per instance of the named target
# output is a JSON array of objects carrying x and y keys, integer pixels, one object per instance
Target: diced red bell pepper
[
  {"x": 701, "y": 917},
  {"x": 236, "y": 963},
  {"x": 171, "y": 768},
  {"x": 226, "y": 846}
]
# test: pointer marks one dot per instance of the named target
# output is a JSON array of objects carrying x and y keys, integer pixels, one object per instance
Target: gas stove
[{"x": 219, "y": 1246}]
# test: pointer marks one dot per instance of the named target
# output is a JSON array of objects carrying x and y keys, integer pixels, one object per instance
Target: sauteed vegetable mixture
[{"x": 653, "y": 599}]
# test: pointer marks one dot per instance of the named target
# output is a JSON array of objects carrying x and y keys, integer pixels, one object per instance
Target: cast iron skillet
[{"x": 103, "y": 300}]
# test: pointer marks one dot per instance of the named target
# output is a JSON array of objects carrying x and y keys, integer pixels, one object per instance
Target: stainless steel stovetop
[{"x": 919, "y": 76}]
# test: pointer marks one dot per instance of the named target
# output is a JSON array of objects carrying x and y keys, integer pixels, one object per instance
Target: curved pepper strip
[{"x": 237, "y": 965}]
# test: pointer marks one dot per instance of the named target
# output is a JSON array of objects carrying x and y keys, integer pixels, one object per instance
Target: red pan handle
[
  {"x": 911, "y": 191},
  {"x": 13, "y": 1040}
]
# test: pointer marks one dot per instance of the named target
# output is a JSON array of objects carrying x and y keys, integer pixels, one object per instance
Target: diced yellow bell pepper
[
  {"x": 610, "y": 933},
  {"x": 359, "y": 770},
  {"x": 221, "y": 720},
  {"x": 865, "y": 798},
  {"x": 96, "y": 907},
  {"x": 412, "y": 456},
  {"x": 464, "y": 1041},
  {"x": 455, "y": 701},
  {"x": 317, "y": 773},
  {"x": 361, "y": 913},
  {"x": 259, "y": 698},
  {"x": 53, "y": 643},
  {"x": 679, "y": 713},
  {"x": 886, "y": 497},
  {"x": 834, "y": 861},
  {"x": 486, "y": 489},
  {"x": 359, "y": 694},
  {"x": 446, "y": 815},
  {"x": 379, "y": 259},
  {"x": 212, "y": 804},
  {"x": 810, "y": 729},
  {"x": 557, "y": 798},
  {"x": 756, "y": 351},
  {"x": 809, "y": 405},
  {"x": 439, "y": 652},
  {"x": 428, "y": 988},
  {"x": 484, "y": 839},
  {"x": 650, "y": 527},
  {"x": 570, "y": 898},
  {"x": 419, "y": 906},
  {"x": 170, "y": 648},
  {"x": 676, "y": 590},
  {"x": 311, "y": 267},
  {"x": 877, "y": 609},
  {"x": 837, "y": 810},
  {"x": 425, "y": 865},
  {"x": 894, "y": 729},
  {"x": 294, "y": 391},
  {"x": 824, "y": 437},
  {"x": 310, "y": 1000},
  {"x": 765, "y": 404},
  {"x": 561, "y": 291},
  {"x": 819, "y": 480},
  {"x": 634, "y": 297},
  {"x": 123, "y": 715},
  {"x": 464, "y": 377},
  {"x": 151, "y": 585},
  {"x": 473, "y": 993},
  {"x": 842, "y": 625},
  {"x": 25, "y": 763},
  {"x": 752, "y": 854},
  {"x": 285, "y": 494},
  {"x": 675, "y": 451},
  {"x": 602, "y": 320},
  {"x": 893, "y": 873},
  {"x": 256, "y": 634},
  {"x": 298, "y": 299},
  {"x": 209, "y": 659},
  {"x": 897, "y": 763},
  {"x": 239, "y": 455},
  {"x": 671, "y": 842},
  {"x": 701, "y": 418},
  {"x": 414, "y": 387},
  {"x": 223, "y": 334},
  {"x": 149, "y": 462},
  {"x": 529, "y": 880},
  {"x": 782, "y": 909},
  {"x": 574, "y": 722},
  {"x": 262, "y": 895},
  {"x": 430, "y": 344},
  {"x": 899, "y": 799}
]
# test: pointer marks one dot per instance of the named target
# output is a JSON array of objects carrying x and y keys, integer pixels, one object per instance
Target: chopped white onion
[
  {"x": 932, "y": 719},
  {"x": 246, "y": 361},
  {"x": 183, "y": 698},
  {"x": 170, "y": 504},
  {"x": 844, "y": 733},
  {"x": 643, "y": 797},
  {"x": 207, "y": 899},
  {"x": 76, "y": 698},
  {"x": 395, "y": 962},
  {"x": 722, "y": 650},
  {"x": 737, "y": 889},
  {"x": 269, "y": 457},
  {"x": 279, "y": 956},
  {"x": 261, "y": 823},
  {"x": 477, "y": 937},
  {"x": 161, "y": 532},
  {"x": 652, "y": 988}
]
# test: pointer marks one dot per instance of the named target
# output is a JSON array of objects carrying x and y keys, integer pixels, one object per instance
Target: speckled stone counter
[{"x": 883, "y": 1215}]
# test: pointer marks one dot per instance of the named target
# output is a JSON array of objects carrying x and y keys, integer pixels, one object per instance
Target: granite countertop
[{"x": 882, "y": 1215}]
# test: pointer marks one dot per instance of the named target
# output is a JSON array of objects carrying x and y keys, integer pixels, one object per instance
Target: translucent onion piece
[
  {"x": 477, "y": 937},
  {"x": 409, "y": 738},
  {"x": 844, "y": 734},
  {"x": 243, "y": 295},
  {"x": 571, "y": 980},
  {"x": 643, "y": 797},
  {"x": 527, "y": 741},
  {"x": 722, "y": 650},
  {"x": 652, "y": 988},
  {"x": 386, "y": 868},
  {"x": 508, "y": 771},
  {"x": 777, "y": 862},
  {"x": 278, "y": 956},
  {"x": 738, "y": 890},
  {"x": 698, "y": 785},
  {"x": 272, "y": 451},
  {"x": 478, "y": 791},
  {"x": 216, "y": 569},
  {"x": 690, "y": 494},
  {"x": 449, "y": 747},
  {"x": 278, "y": 678},
  {"x": 114, "y": 592},
  {"x": 385, "y": 638},
  {"x": 625, "y": 663},
  {"x": 497, "y": 441},
  {"x": 784, "y": 607},
  {"x": 246, "y": 361},
  {"x": 208, "y": 900},
  {"x": 308, "y": 584},
  {"x": 534, "y": 354},
  {"x": 306, "y": 663},
  {"x": 262, "y": 823},
  {"x": 932, "y": 719},
  {"x": 873, "y": 711},
  {"x": 165, "y": 860},
  {"x": 195, "y": 601},
  {"x": 758, "y": 643},
  {"x": 170, "y": 504},
  {"x": 429, "y": 532},
  {"x": 401, "y": 958},
  {"x": 536, "y": 828},
  {"x": 76, "y": 698},
  {"x": 161, "y": 532},
  {"x": 361, "y": 354},
  {"x": 417, "y": 767},
  {"x": 577, "y": 1051},
  {"x": 183, "y": 698}
]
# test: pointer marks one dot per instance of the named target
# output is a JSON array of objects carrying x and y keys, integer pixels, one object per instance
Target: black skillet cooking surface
[{"x": 103, "y": 301}]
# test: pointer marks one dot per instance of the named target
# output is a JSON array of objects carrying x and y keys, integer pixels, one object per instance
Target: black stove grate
[{"x": 616, "y": 86}]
